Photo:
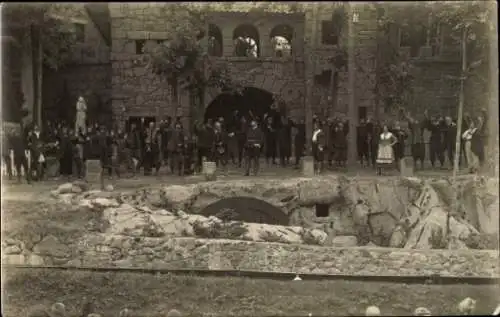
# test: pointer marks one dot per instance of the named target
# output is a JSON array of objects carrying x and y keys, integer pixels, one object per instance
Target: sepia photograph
[{"x": 214, "y": 159}]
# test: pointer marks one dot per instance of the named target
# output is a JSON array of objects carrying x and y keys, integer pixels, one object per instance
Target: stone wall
[
  {"x": 434, "y": 89},
  {"x": 101, "y": 251},
  {"x": 89, "y": 74},
  {"x": 62, "y": 89}
]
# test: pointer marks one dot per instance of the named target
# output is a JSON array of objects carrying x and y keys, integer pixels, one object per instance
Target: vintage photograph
[{"x": 249, "y": 159}]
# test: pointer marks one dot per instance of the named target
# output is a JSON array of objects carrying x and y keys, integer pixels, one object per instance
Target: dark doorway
[
  {"x": 247, "y": 209},
  {"x": 137, "y": 121},
  {"x": 253, "y": 102},
  {"x": 362, "y": 111}
]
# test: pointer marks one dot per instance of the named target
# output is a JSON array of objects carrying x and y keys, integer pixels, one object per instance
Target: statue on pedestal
[{"x": 81, "y": 115}]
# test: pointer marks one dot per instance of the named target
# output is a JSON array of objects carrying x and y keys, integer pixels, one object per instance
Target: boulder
[
  {"x": 76, "y": 190},
  {"x": 104, "y": 202},
  {"x": 179, "y": 197},
  {"x": 344, "y": 241},
  {"x": 66, "y": 188},
  {"x": 430, "y": 231},
  {"x": 67, "y": 198},
  {"x": 51, "y": 246},
  {"x": 314, "y": 236},
  {"x": 83, "y": 185}
]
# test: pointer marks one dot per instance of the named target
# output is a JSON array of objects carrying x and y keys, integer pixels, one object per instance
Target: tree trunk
[
  {"x": 353, "y": 108},
  {"x": 39, "y": 82},
  {"x": 459, "y": 128}
]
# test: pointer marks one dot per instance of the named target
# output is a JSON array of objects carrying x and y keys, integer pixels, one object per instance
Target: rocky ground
[
  {"x": 407, "y": 213},
  {"x": 400, "y": 213}
]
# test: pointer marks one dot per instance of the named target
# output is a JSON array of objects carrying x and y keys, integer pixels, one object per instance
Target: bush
[
  {"x": 482, "y": 241},
  {"x": 269, "y": 236},
  {"x": 438, "y": 239},
  {"x": 309, "y": 238},
  {"x": 219, "y": 230}
]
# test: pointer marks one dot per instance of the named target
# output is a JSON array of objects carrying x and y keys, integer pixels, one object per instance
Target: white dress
[
  {"x": 81, "y": 116},
  {"x": 385, "y": 154}
]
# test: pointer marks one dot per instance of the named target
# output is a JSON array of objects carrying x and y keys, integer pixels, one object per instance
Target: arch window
[
  {"x": 246, "y": 41},
  {"x": 281, "y": 39},
  {"x": 215, "y": 47}
]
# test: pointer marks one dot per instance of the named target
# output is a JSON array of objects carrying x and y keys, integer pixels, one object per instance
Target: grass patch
[
  {"x": 30, "y": 222},
  {"x": 154, "y": 295}
]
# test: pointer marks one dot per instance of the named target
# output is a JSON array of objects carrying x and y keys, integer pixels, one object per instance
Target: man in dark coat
[
  {"x": 416, "y": 141},
  {"x": 329, "y": 131},
  {"x": 436, "y": 144},
  {"x": 175, "y": 148},
  {"x": 449, "y": 130},
  {"x": 19, "y": 148},
  {"x": 270, "y": 144},
  {"x": 36, "y": 146},
  {"x": 166, "y": 131},
  {"x": 285, "y": 141},
  {"x": 241, "y": 135},
  {"x": 252, "y": 147},
  {"x": 6, "y": 147},
  {"x": 362, "y": 143},
  {"x": 399, "y": 148},
  {"x": 135, "y": 145},
  {"x": 220, "y": 146},
  {"x": 299, "y": 141},
  {"x": 205, "y": 134}
]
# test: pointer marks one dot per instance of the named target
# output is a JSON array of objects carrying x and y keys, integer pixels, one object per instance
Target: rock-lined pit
[
  {"x": 407, "y": 213},
  {"x": 151, "y": 227}
]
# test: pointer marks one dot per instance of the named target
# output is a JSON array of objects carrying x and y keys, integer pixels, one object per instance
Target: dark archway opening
[
  {"x": 251, "y": 103},
  {"x": 246, "y": 209}
]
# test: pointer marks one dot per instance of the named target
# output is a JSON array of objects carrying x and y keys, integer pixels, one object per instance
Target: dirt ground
[{"x": 154, "y": 295}]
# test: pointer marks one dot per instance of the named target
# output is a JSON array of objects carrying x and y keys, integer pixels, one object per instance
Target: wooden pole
[
  {"x": 38, "y": 114},
  {"x": 458, "y": 137},
  {"x": 353, "y": 109}
]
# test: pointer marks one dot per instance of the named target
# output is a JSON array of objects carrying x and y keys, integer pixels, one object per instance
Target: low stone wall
[{"x": 187, "y": 253}]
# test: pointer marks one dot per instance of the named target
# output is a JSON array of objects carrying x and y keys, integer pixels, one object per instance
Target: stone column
[{"x": 227, "y": 42}]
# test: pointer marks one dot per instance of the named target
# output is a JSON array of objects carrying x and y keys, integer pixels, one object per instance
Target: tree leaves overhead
[{"x": 47, "y": 21}]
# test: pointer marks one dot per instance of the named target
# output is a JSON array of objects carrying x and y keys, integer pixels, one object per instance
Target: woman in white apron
[
  {"x": 385, "y": 153},
  {"x": 472, "y": 158}
]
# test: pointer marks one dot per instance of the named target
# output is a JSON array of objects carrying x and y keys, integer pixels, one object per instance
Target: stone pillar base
[
  {"x": 92, "y": 171},
  {"x": 308, "y": 166}
]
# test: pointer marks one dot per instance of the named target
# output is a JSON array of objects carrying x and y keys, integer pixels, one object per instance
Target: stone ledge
[{"x": 188, "y": 253}]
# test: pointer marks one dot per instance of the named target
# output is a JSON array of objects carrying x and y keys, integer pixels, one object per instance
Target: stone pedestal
[
  {"x": 209, "y": 169},
  {"x": 93, "y": 169},
  {"x": 308, "y": 166},
  {"x": 406, "y": 167}
]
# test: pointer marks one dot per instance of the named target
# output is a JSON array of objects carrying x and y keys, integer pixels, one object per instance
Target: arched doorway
[
  {"x": 247, "y": 209},
  {"x": 252, "y": 102}
]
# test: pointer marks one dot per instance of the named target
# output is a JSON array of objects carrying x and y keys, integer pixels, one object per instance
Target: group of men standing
[{"x": 241, "y": 139}]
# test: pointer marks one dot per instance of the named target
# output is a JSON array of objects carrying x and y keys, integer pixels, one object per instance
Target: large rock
[{"x": 51, "y": 246}]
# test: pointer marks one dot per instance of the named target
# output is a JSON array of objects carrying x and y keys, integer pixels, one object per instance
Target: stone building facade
[
  {"x": 119, "y": 79},
  {"x": 88, "y": 74}
]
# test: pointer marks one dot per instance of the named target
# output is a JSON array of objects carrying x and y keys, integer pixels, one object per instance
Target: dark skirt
[
  {"x": 319, "y": 155},
  {"x": 66, "y": 164},
  {"x": 418, "y": 151}
]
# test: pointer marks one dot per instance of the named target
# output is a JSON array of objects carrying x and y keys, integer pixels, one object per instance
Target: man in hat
[{"x": 253, "y": 147}]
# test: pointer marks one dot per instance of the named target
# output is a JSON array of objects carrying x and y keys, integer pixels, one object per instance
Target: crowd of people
[
  {"x": 242, "y": 140},
  {"x": 466, "y": 307}
]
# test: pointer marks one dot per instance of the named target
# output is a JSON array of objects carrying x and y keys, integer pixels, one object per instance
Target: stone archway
[
  {"x": 252, "y": 100},
  {"x": 247, "y": 209}
]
